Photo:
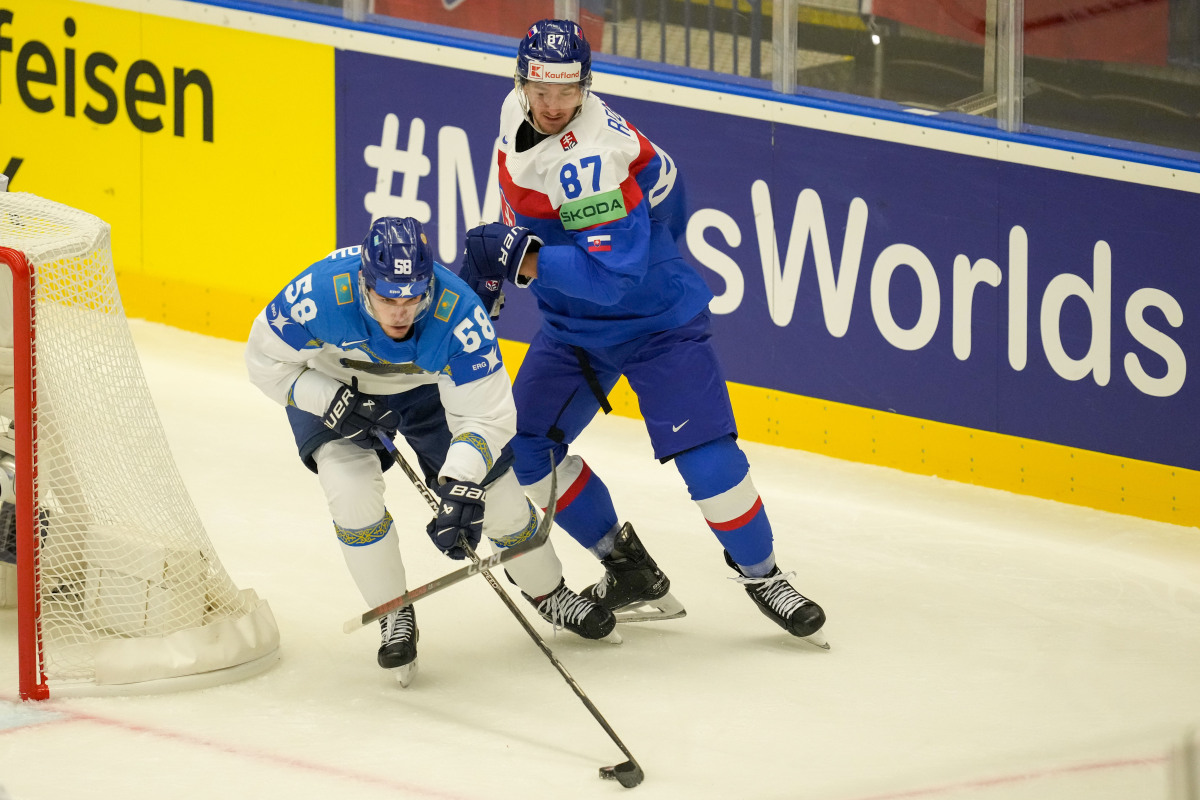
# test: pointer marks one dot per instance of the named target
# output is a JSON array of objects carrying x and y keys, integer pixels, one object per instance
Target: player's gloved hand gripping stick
[
  {"x": 535, "y": 541},
  {"x": 355, "y": 415},
  {"x": 459, "y": 516},
  {"x": 627, "y": 773}
]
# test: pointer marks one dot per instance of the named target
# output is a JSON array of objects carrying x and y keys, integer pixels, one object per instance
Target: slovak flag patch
[
  {"x": 568, "y": 141},
  {"x": 599, "y": 243}
]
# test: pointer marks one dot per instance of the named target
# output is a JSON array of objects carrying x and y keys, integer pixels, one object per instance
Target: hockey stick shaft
[
  {"x": 539, "y": 538},
  {"x": 631, "y": 767},
  {"x": 449, "y": 579}
]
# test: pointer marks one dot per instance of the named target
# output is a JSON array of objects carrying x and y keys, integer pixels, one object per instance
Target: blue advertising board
[{"x": 984, "y": 293}]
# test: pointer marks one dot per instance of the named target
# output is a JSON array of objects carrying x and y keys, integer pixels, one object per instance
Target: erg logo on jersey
[{"x": 568, "y": 141}]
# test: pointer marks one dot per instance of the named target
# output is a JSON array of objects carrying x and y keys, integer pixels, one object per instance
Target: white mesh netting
[{"x": 131, "y": 589}]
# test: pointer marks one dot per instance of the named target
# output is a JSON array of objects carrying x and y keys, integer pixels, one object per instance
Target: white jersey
[{"x": 607, "y": 204}]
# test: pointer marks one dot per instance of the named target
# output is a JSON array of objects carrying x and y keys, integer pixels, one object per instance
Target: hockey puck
[{"x": 627, "y": 773}]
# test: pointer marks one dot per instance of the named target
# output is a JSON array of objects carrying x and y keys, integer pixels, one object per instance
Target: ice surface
[{"x": 984, "y": 645}]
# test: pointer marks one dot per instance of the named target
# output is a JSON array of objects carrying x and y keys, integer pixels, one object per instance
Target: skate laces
[
  {"x": 563, "y": 607},
  {"x": 775, "y": 591},
  {"x": 398, "y": 626},
  {"x": 601, "y": 587}
]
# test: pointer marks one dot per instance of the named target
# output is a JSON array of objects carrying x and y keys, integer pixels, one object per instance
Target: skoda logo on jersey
[{"x": 578, "y": 214}]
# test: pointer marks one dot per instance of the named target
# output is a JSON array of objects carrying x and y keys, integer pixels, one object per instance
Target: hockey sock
[
  {"x": 372, "y": 555},
  {"x": 585, "y": 508},
  {"x": 717, "y": 475},
  {"x": 606, "y": 543}
]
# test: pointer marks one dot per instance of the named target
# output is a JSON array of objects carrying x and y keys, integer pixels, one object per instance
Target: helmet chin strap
[{"x": 365, "y": 299}]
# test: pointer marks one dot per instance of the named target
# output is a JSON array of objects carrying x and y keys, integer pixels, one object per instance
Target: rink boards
[{"x": 1009, "y": 311}]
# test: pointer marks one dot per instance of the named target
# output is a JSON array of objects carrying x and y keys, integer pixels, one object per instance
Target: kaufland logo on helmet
[{"x": 554, "y": 73}]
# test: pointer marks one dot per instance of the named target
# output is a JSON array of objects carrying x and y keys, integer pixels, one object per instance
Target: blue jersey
[
  {"x": 597, "y": 195},
  {"x": 319, "y": 334},
  {"x": 323, "y": 308}
]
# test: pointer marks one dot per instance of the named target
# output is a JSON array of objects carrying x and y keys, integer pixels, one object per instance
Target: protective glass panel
[{"x": 1125, "y": 70}]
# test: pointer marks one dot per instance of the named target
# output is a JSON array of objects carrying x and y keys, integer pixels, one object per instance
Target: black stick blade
[{"x": 627, "y": 773}]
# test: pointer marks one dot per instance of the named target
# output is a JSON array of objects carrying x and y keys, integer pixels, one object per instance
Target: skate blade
[
  {"x": 664, "y": 608},
  {"x": 817, "y": 639},
  {"x": 405, "y": 674},
  {"x": 613, "y": 638}
]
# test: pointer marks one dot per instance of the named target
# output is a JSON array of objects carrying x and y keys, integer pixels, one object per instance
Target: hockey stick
[
  {"x": 628, "y": 773},
  {"x": 449, "y": 579},
  {"x": 535, "y": 541}
]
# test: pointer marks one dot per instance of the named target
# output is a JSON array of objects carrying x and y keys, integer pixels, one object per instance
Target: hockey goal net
[{"x": 119, "y": 588}]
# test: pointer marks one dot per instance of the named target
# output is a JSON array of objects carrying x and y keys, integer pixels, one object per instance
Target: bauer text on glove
[
  {"x": 460, "y": 516},
  {"x": 355, "y": 415},
  {"x": 493, "y": 254}
]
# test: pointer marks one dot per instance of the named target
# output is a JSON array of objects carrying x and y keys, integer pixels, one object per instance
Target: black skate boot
[
  {"x": 783, "y": 605},
  {"x": 562, "y": 608},
  {"x": 633, "y": 587},
  {"x": 398, "y": 652}
]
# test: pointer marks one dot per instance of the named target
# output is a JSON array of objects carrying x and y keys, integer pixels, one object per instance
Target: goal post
[{"x": 119, "y": 589}]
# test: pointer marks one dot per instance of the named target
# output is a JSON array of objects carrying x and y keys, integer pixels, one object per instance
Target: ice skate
[
  {"x": 783, "y": 605},
  {"x": 562, "y": 608},
  {"x": 398, "y": 653},
  {"x": 633, "y": 587}
]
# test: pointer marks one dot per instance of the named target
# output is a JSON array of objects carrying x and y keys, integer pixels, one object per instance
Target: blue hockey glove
[
  {"x": 493, "y": 254},
  {"x": 353, "y": 415},
  {"x": 460, "y": 515},
  {"x": 491, "y": 294}
]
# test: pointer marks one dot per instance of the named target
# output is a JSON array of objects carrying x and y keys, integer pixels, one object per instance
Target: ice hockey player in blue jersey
[
  {"x": 380, "y": 338},
  {"x": 591, "y": 211}
]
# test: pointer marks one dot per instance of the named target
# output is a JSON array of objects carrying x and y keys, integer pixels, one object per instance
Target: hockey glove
[
  {"x": 353, "y": 415},
  {"x": 493, "y": 254},
  {"x": 460, "y": 516}
]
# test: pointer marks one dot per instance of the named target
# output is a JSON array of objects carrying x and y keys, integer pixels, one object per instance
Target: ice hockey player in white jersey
[
  {"x": 379, "y": 339},
  {"x": 591, "y": 213}
]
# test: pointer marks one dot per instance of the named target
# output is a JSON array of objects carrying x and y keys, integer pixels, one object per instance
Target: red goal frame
[{"x": 32, "y": 677}]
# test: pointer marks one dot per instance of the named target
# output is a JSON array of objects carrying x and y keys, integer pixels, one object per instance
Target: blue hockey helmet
[
  {"x": 396, "y": 261},
  {"x": 555, "y": 51}
]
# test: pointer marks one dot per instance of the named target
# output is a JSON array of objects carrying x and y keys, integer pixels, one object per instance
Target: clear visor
[
  {"x": 537, "y": 98},
  {"x": 419, "y": 289}
]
